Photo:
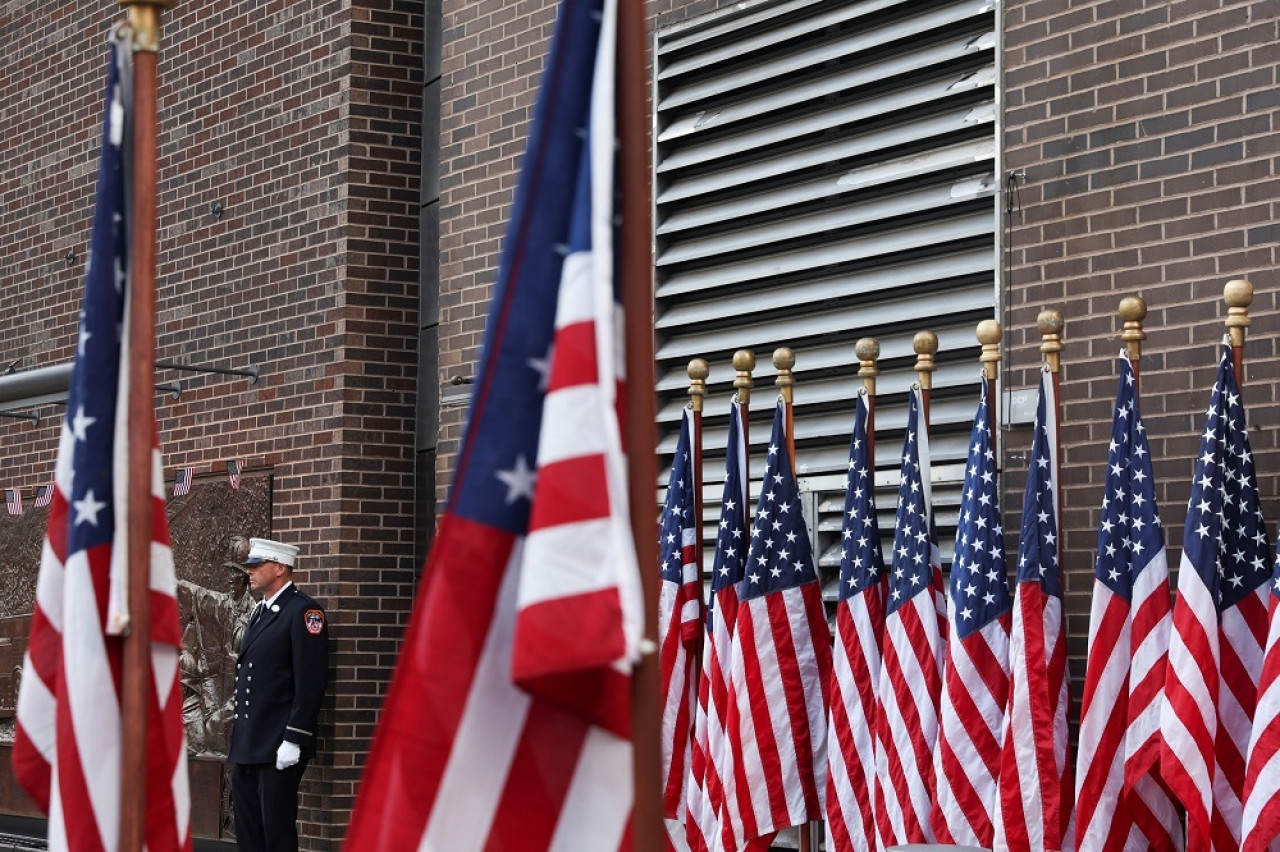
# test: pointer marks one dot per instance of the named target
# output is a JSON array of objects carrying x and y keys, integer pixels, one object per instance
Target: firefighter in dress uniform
[{"x": 281, "y": 676}]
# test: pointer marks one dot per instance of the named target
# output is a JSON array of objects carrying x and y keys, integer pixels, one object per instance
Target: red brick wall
[
  {"x": 1148, "y": 143},
  {"x": 302, "y": 119}
]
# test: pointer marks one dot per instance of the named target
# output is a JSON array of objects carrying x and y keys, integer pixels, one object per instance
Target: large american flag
[
  {"x": 856, "y": 658},
  {"x": 1121, "y": 801},
  {"x": 1262, "y": 772},
  {"x": 714, "y": 774},
  {"x": 67, "y": 748},
  {"x": 779, "y": 663},
  {"x": 976, "y": 672},
  {"x": 1219, "y": 627},
  {"x": 680, "y": 620},
  {"x": 910, "y": 686},
  {"x": 507, "y": 724},
  {"x": 1035, "y": 779}
]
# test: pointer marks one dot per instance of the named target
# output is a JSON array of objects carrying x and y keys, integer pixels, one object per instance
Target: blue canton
[
  {"x": 731, "y": 540},
  {"x": 914, "y": 537},
  {"x": 1225, "y": 537},
  {"x": 1038, "y": 545},
  {"x": 1130, "y": 534},
  {"x": 496, "y": 471},
  {"x": 91, "y": 401},
  {"x": 677, "y": 513},
  {"x": 780, "y": 556},
  {"x": 861, "y": 563},
  {"x": 979, "y": 584}
]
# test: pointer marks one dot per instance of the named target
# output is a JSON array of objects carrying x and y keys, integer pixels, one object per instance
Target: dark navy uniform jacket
[{"x": 281, "y": 676}]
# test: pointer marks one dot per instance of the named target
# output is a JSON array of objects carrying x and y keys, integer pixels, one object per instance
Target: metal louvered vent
[{"x": 826, "y": 171}]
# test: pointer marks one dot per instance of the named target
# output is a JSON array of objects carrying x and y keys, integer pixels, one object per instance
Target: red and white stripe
[
  {"x": 1121, "y": 801},
  {"x": 967, "y": 762},
  {"x": 851, "y": 765},
  {"x": 777, "y": 712},
  {"x": 67, "y": 742},
  {"x": 1211, "y": 690},
  {"x": 1036, "y": 789},
  {"x": 1262, "y": 776}
]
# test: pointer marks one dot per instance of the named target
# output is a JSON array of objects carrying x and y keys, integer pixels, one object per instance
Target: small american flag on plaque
[
  {"x": 13, "y": 500},
  {"x": 233, "y": 474},
  {"x": 44, "y": 496},
  {"x": 182, "y": 481}
]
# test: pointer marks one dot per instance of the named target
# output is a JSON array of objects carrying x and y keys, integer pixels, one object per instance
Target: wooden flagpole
[
  {"x": 698, "y": 372},
  {"x": 744, "y": 363},
  {"x": 868, "y": 352},
  {"x": 989, "y": 333},
  {"x": 636, "y": 263},
  {"x": 145, "y": 29},
  {"x": 926, "y": 345},
  {"x": 1133, "y": 310},
  {"x": 783, "y": 360},
  {"x": 1238, "y": 295},
  {"x": 1050, "y": 324}
]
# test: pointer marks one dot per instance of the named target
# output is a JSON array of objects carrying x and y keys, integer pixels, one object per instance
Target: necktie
[{"x": 257, "y": 613}]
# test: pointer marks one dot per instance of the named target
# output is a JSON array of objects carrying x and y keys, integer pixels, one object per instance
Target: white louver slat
[{"x": 826, "y": 171}]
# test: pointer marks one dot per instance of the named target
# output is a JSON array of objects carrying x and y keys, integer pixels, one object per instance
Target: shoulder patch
[{"x": 314, "y": 619}]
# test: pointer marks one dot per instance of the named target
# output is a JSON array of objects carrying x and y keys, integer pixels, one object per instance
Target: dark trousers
[{"x": 265, "y": 802}]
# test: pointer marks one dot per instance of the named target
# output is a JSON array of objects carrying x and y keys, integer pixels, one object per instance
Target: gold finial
[
  {"x": 1133, "y": 310},
  {"x": 783, "y": 360},
  {"x": 698, "y": 373},
  {"x": 144, "y": 22},
  {"x": 989, "y": 334},
  {"x": 926, "y": 346},
  {"x": 1238, "y": 294},
  {"x": 868, "y": 351},
  {"x": 1050, "y": 323},
  {"x": 744, "y": 361}
]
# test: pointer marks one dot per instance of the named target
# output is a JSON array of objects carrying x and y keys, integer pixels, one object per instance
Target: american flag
[
  {"x": 1121, "y": 802},
  {"x": 976, "y": 670},
  {"x": 519, "y": 736},
  {"x": 13, "y": 501},
  {"x": 780, "y": 660},
  {"x": 233, "y": 474},
  {"x": 1262, "y": 778},
  {"x": 44, "y": 496},
  {"x": 680, "y": 620},
  {"x": 909, "y": 691},
  {"x": 1035, "y": 780},
  {"x": 182, "y": 482},
  {"x": 713, "y": 772},
  {"x": 1219, "y": 627},
  {"x": 856, "y": 658},
  {"x": 67, "y": 746}
]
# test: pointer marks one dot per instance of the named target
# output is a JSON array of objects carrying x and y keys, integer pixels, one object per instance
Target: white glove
[{"x": 287, "y": 755}]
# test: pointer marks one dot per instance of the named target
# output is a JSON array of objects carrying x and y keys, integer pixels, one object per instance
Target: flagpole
[
  {"x": 1133, "y": 310},
  {"x": 698, "y": 372},
  {"x": 783, "y": 360},
  {"x": 1238, "y": 295},
  {"x": 145, "y": 27},
  {"x": 926, "y": 346},
  {"x": 636, "y": 263},
  {"x": 989, "y": 333},
  {"x": 744, "y": 364},
  {"x": 868, "y": 351},
  {"x": 1050, "y": 324}
]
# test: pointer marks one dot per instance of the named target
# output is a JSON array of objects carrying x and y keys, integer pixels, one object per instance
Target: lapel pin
[{"x": 275, "y": 607}]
